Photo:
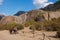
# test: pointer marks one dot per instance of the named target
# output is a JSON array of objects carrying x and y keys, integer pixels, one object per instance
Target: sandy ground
[{"x": 4, "y": 35}]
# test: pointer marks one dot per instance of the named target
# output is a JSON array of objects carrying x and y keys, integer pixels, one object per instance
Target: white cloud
[
  {"x": 47, "y": 4},
  {"x": 41, "y": 3},
  {"x": 2, "y": 14},
  {"x": 1, "y": 1}
]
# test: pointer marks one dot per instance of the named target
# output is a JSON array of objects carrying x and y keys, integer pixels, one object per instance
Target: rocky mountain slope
[
  {"x": 16, "y": 19},
  {"x": 30, "y": 15},
  {"x": 44, "y": 16},
  {"x": 52, "y": 7}
]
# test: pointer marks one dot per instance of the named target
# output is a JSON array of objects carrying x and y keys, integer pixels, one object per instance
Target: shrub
[
  {"x": 1, "y": 27},
  {"x": 26, "y": 24},
  {"x": 19, "y": 26},
  {"x": 30, "y": 22},
  {"x": 37, "y": 26},
  {"x": 52, "y": 25},
  {"x": 40, "y": 14},
  {"x": 10, "y": 26}
]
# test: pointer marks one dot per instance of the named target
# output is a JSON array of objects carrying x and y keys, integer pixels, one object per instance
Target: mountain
[
  {"x": 52, "y": 7},
  {"x": 19, "y": 13},
  {"x": 14, "y": 19},
  {"x": 1, "y": 16}
]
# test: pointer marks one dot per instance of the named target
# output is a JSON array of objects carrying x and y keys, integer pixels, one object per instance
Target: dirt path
[{"x": 4, "y": 35}]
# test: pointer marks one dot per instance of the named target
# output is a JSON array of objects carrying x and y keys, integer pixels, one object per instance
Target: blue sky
[{"x": 10, "y": 7}]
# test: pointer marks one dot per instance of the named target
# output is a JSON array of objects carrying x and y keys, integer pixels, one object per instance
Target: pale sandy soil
[{"x": 4, "y": 35}]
